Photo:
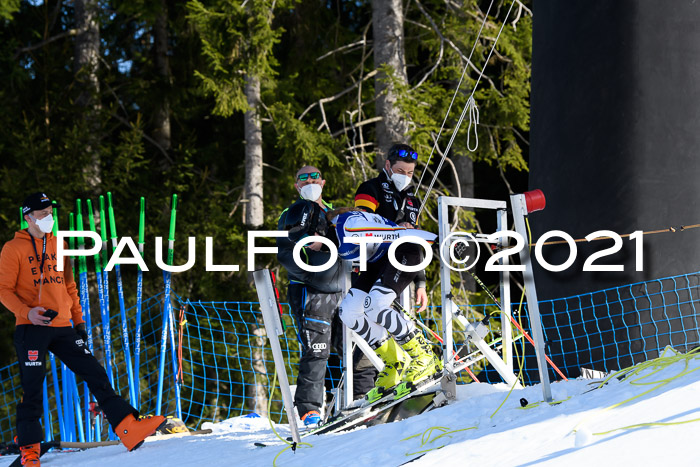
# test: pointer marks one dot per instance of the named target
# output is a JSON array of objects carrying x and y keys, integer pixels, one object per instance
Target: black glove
[{"x": 82, "y": 332}]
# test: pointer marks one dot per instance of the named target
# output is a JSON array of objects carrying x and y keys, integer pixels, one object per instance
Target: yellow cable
[
  {"x": 521, "y": 357},
  {"x": 425, "y": 437},
  {"x": 269, "y": 407},
  {"x": 639, "y": 425},
  {"x": 657, "y": 365}
]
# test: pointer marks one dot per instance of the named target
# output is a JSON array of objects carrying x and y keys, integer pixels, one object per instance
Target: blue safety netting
[
  {"x": 226, "y": 366},
  {"x": 615, "y": 328},
  {"x": 72, "y": 396}
]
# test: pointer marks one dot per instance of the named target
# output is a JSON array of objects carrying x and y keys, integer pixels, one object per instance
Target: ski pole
[
  {"x": 167, "y": 314},
  {"x": 122, "y": 307},
  {"x": 48, "y": 428},
  {"x": 171, "y": 314},
  {"x": 85, "y": 304},
  {"x": 82, "y": 275},
  {"x": 69, "y": 419},
  {"x": 173, "y": 357},
  {"x": 22, "y": 223},
  {"x": 100, "y": 295},
  {"x": 76, "y": 407},
  {"x": 71, "y": 242},
  {"x": 139, "y": 302},
  {"x": 104, "y": 315},
  {"x": 48, "y": 434},
  {"x": 104, "y": 233},
  {"x": 57, "y": 396},
  {"x": 105, "y": 286}
]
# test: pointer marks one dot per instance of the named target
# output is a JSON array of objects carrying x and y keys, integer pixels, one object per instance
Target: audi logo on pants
[{"x": 318, "y": 346}]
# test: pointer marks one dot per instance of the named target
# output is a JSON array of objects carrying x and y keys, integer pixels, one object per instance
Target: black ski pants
[
  {"x": 32, "y": 343},
  {"x": 320, "y": 328}
]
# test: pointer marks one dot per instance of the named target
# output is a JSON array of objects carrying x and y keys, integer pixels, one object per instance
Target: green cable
[
  {"x": 640, "y": 425},
  {"x": 425, "y": 437},
  {"x": 521, "y": 360},
  {"x": 520, "y": 356},
  {"x": 657, "y": 364}
]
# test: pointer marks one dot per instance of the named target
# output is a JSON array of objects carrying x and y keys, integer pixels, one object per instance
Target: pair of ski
[
  {"x": 48, "y": 445},
  {"x": 354, "y": 416}
]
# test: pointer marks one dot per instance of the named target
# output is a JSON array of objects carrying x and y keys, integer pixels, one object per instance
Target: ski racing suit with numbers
[
  {"x": 314, "y": 298},
  {"x": 29, "y": 278},
  {"x": 373, "y": 319},
  {"x": 379, "y": 195}
]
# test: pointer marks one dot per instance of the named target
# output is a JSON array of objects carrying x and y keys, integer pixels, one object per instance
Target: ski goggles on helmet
[
  {"x": 404, "y": 153},
  {"x": 312, "y": 175}
]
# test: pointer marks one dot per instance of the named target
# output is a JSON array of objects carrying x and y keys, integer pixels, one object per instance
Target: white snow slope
[{"x": 659, "y": 394}]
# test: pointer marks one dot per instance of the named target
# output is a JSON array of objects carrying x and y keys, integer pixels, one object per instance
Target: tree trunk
[
  {"x": 253, "y": 155},
  {"x": 387, "y": 28},
  {"x": 85, "y": 64},
  {"x": 160, "y": 46},
  {"x": 464, "y": 166},
  {"x": 465, "y": 172}
]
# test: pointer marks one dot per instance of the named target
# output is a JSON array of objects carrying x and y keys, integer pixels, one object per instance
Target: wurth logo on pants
[{"x": 32, "y": 356}]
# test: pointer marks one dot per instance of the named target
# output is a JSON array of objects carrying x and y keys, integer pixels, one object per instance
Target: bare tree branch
[
  {"x": 29, "y": 48},
  {"x": 343, "y": 47},
  {"x": 358, "y": 124},
  {"x": 442, "y": 46},
  {"x": 338, "y": 95},
  {"x": 459, "y": 52}
]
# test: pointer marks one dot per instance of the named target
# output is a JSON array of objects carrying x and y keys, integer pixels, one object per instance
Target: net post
[
  {"x": 347, "y": 389},
  {"x": 273, "y": 327},
  {"x": 504, "y": 277},
  {"x": 519, "y": 206},
  {"x": 445, "y": 285},
  {"x": 475, "y": 333}
]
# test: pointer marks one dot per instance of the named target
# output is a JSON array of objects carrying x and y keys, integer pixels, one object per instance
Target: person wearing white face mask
[
  {"x": 391, "y": 196},
  {"x": 44, "y": 301},
  {"x": 314, "y": 298}
]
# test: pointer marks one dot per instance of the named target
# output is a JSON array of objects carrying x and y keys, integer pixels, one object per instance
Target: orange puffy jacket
[{"x": 20, "y": 277}]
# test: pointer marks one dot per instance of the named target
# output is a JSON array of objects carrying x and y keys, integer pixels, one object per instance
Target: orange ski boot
[
  {"x": 132, "y": 431},
  {"x": 30, "y": 455}
]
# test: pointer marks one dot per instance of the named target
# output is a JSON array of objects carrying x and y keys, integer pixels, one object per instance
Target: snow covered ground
[{"x": 664, "y": 392}]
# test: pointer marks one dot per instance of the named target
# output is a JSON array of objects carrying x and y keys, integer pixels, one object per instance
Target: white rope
[
  {"x": 470, "y": 106},
  {"x": 473, "y": 120},
  {"x": 454, "y": 97}
]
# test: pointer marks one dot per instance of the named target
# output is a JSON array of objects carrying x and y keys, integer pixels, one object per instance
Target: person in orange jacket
[{"x": 44, "y": 301}]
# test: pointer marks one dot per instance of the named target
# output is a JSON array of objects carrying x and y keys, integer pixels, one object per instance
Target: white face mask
[
  {"x": 400, "y": 181},
  {"x": 311, "y": 192},
  {"x": 45, "y": 224}
]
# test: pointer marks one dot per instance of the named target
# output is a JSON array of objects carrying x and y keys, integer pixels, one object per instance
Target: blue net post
[
  {"x": 47, "y": 414},
  {"x": 137, "y": 337},
  {"x": 67, "y": 405},
  {"x": 106, "y": 329},
  {"x": 167, "y": 311},
  {"x": 78, "y": 409},
  {"x": 173, "y": 356},
  {"x": 57, "y": 397}
]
